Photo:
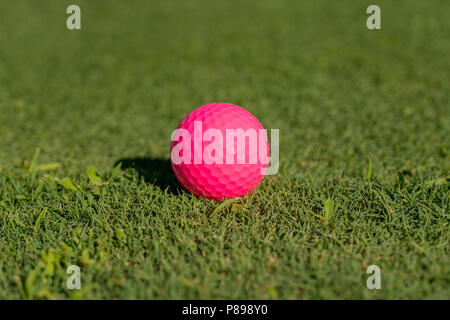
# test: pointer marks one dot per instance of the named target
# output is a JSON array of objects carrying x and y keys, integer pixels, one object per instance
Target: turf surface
[{"x": 364, "y": 149}]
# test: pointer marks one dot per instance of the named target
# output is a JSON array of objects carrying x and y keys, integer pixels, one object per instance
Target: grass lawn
[{"x": 364, "y": 119}]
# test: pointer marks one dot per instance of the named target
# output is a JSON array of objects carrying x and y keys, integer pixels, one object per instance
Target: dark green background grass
[{"x": 341, "y": 95}]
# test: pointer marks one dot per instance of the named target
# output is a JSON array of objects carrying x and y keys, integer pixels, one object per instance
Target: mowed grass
[{"x": 364, "y": 119}]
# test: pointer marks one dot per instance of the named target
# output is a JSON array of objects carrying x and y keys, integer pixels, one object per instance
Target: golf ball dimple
[{"x": 227, "y": 154}]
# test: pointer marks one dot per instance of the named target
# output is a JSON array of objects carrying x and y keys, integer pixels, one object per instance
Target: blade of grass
[
  {"x": 69, "y": 185},
  {"x": 47, "y": 166},
  {"x": 437, "y": 181},
  {"x": 32, "y": 165},
  {"x": 115, "y": 171},
  {"x": 328, "y": 210},
  {"x": 369, "y": 175},
  {"x": 222, "y": 206},
  {"x": 39, "y": 218},
  {"x": 94, "y": 178}
]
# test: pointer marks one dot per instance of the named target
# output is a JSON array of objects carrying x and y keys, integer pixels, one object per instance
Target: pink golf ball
[{"x": 201, "y": 170}]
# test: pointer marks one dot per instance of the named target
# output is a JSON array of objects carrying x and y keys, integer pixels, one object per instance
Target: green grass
[{"x": 364, "y": 119}]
